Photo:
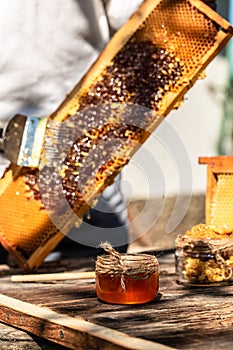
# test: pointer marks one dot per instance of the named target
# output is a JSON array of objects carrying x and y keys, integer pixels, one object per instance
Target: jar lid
[
  {"x": 203, "y": 237},
  {"x": 137, "y": 266},
  {"x": 204, "y": 245}
]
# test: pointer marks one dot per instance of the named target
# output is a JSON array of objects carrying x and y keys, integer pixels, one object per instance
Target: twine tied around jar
[
  {"x": 227, "y": 269},
  {"x": 217, "y": 249},
  {"x": 137, "y": 266}
]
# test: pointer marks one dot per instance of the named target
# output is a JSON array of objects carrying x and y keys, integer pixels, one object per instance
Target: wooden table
[{"x": 69, "y": 313}]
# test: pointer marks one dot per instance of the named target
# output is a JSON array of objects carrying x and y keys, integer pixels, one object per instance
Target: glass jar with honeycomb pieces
[
  {"x": 204, "y": 257},
  {"x": 127, "y": 278}
]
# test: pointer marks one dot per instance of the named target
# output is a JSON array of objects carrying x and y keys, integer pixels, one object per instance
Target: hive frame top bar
[
  {"x": 70, "y": 105},
  {"x": 218, "y": 164}
]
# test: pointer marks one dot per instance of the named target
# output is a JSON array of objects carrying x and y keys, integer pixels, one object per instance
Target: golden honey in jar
[{"x": 130, "y": 279}]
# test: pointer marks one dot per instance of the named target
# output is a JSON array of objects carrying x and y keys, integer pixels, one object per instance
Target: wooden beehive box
[{"x": 219, "y": 192}]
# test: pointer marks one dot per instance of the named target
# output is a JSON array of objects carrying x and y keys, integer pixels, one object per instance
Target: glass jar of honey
[
  {"x": 204, "y": 257},
  {"x": 127, "y": 278}
]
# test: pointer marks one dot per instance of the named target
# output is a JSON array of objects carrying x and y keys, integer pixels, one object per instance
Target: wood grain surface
[{"x": 181, "y": 318}]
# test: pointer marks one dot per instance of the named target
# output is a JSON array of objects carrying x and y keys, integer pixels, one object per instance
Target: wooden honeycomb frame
[
  {"x": 219, "y": 191},
  {"x": 22, "y": 221}
]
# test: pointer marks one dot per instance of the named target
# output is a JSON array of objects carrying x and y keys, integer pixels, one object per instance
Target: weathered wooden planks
[
  {"x": 12, "y": 338},
  {"x": 180, "y": 318},
  {"x": 72, "y": 332}
]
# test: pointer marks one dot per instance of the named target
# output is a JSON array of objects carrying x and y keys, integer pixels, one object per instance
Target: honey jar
[
  {"x": 204, "y": 257},
  {"x": 204, "y": 254},
  {"x": 127, "y": 278}
]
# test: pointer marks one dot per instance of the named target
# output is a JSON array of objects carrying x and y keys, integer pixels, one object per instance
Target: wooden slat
[
  {"x": 211, "y": 183},
  {"x": 12, "y": 338},
  {"x": 219, "y": 164},
  {"x": 69, "y": 331},
  {"x": 49, "y": 277},
  {"x": 213, "y": 15}
]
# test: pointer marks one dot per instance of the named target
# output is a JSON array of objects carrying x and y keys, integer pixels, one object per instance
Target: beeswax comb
[{"x": 142, "y": 74}]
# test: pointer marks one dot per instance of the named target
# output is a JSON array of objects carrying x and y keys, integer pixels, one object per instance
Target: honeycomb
[
  {"x": 20, "y": 220},
  {"x": 221, "y": 213},
  {"x": 179, "y": 32},
  {"x": 141, "y": 75}
]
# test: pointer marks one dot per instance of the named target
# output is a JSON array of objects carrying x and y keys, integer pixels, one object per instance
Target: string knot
[{"x": 137, "y": 266}]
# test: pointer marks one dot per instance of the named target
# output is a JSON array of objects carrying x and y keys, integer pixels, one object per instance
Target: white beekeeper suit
[{"x": 46, "y": 47}]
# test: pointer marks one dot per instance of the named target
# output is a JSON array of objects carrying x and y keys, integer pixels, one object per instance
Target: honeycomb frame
[
  {"x": 23, "y": 223},
  {"x": 219, "y": 192}
]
